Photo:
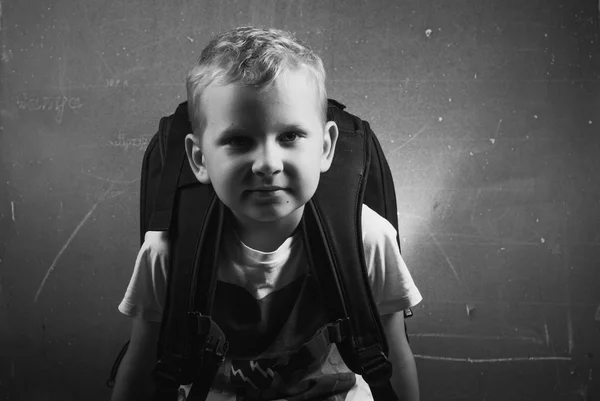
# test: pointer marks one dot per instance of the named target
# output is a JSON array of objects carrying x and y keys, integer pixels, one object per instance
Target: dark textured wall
[{"x": 487, "y": 110}]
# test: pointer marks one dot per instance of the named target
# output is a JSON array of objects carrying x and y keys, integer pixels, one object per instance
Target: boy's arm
[
  {"x": 404, "y": 377},
  {"x": 134, "y": 380}
]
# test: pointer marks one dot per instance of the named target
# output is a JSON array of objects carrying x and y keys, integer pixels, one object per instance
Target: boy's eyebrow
[
  {"x": 233, "y": 130},
  {"x": 293, "y": 127}
]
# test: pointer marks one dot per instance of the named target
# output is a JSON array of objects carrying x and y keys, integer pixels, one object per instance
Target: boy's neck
[{"x": 268, "y": 236}]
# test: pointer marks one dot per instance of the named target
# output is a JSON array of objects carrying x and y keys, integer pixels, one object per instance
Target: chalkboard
[{"x": 488, "y": 111}]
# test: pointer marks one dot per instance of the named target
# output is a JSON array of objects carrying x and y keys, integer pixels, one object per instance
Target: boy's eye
[
  {"x": 237, "y": 142},
  {"x": 289, "y": 136},
  {"x": 243, "y": 142}
]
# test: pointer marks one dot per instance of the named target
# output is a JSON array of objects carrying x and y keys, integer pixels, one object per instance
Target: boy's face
[{"x": 263, "y": 150}]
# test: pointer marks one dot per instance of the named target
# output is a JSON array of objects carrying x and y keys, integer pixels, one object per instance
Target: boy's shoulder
[{"x": 376, "y": 229}]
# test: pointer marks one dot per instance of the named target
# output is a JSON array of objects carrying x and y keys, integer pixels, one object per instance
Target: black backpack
[{"x": 190, "y": 344}]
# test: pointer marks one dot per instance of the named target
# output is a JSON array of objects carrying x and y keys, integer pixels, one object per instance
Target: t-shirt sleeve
[
  {"x": 391, "y": 283},
  {"x": 146, "y": 292}
]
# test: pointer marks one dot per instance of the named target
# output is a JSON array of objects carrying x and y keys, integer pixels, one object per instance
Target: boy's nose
[{"x": 268, "y": 160}]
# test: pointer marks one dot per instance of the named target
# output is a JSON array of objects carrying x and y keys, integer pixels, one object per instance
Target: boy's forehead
[{"x": 291, "y": 96}]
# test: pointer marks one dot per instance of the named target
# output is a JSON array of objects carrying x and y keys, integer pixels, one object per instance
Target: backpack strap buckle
[
  {"x": 375, "y": 366},
  {"x": 207, "y": 338},
  {"x": 207, "y": 346},
  {"x": 337, "y": 330},
  {"x": 208, "y": 350},
  {"x": 168, "y": 372}
]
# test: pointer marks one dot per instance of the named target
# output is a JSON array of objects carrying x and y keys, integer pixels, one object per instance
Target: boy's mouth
[
  {"x": 267, "y": 189},
  {"x": 266, "y": 194}
]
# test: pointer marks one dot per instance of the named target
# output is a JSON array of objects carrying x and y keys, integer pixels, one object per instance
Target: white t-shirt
[{"x": 262, "y": 273}]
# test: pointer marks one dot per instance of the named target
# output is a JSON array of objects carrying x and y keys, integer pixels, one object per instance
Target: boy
[{"x": 257, "y": 104}]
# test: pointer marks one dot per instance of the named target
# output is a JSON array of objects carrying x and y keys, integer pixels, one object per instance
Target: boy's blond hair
[{"x": 254, "y": 57}]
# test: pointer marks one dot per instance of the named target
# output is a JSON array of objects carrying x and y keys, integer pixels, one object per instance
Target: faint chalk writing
[
  {"x": 139, "y": 143},
  {"x": 49, "y": 103},
  {"x": 116, "y": 83}
]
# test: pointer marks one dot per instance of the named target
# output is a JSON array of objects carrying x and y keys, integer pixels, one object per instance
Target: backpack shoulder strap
[
  {"x": 172, "y": 134},
  {"x": 333, "y": 219},
  {"x": 152, "y": 164},
  {"x": 190, "y": 344}
]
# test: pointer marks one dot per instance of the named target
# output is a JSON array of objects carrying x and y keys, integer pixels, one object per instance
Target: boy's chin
[{"x": 272, "y": 216}]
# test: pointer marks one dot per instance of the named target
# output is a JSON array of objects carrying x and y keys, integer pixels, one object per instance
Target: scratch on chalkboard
[
  {"x": 475, "y": 337},
  {"x": 570, "y": 330},
  {"x": 493, "y": 140},
  {"x": 494, "y": 360},
  {"x": 110, "y": 179},
  {"x": 100, "y": 56},
  {"x": 108, "y": 24},
  {"x": 66, "y": 245},
  {"x": 114, "y": 194},
  {"x": 412, "y": 138},
  {"x": 445, "y": 256},
  {"x": 12, "y": 208}
]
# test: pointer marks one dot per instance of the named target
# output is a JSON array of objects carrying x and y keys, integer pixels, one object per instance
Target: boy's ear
[
  {"x": 197, "y": 161},
  {"x": 330, "y": 138}
]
